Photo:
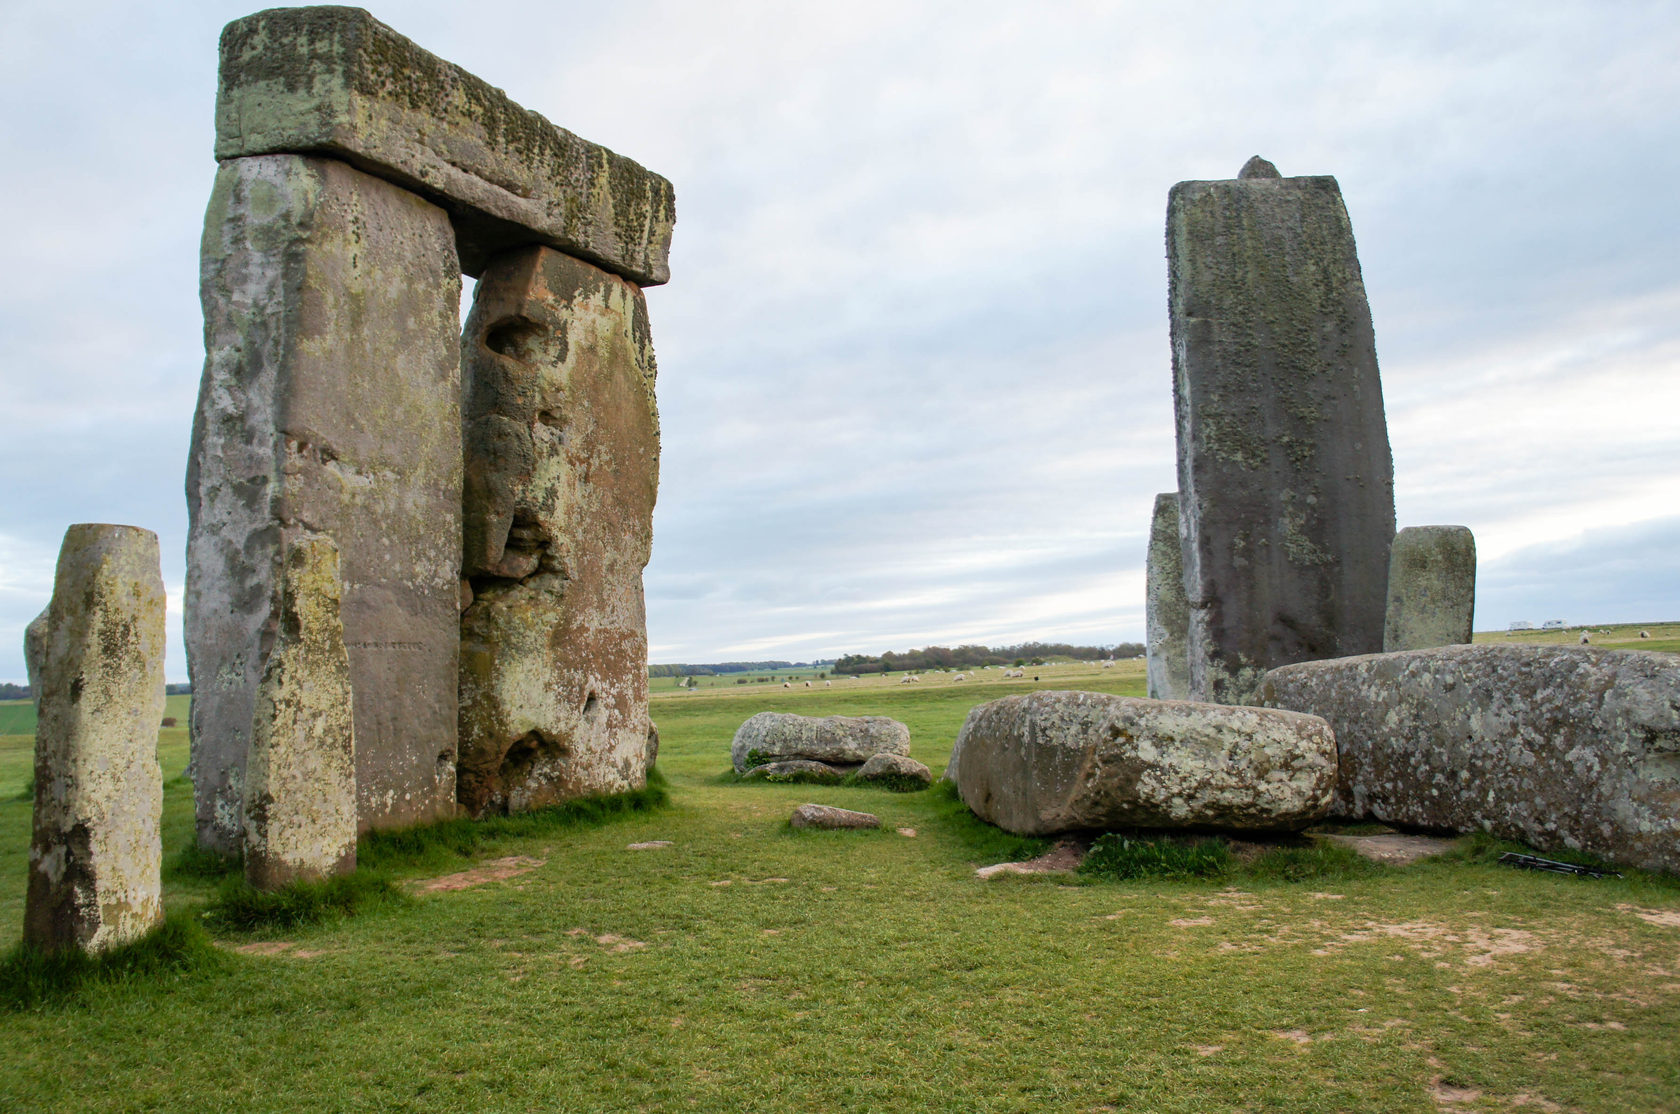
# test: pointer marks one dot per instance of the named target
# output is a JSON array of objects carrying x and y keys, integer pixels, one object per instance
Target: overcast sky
[{"x": 914, "y": 374}]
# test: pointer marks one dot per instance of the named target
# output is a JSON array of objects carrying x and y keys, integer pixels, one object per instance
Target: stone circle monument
[{"x": 359, "y": 177}]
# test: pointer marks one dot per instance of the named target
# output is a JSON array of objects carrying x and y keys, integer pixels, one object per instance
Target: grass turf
[{"x": 752, "y": 967}]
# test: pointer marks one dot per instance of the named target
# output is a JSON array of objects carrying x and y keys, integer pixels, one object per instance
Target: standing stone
[
  {"x": 1431, "y": 588},
  {"x": 561, "y": 435},
  {"x": 1167, "y": 611},
  {"x": 97, "y": 852},
  {"x": 329, "y": 405},
  {"x": 35, "y": 653},
  {"x": 1284, "y": 475},
  {"x": 300, "y": 775}
]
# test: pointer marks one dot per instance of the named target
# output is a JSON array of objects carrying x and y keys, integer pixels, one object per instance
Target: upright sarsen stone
[
  {"x": 1431, "y": 588},
  {"x": 97, "y": 851},
  {"x": 1284, "y": 474},
  {"x": 329, "y": 405},
  {"x": 561, "y": 435},
  {"x": 1167, "y": 612},
  {"x": 300, "y": 773}
]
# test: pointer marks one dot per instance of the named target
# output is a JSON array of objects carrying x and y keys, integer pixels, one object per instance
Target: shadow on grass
[
  {"x": 983, "y": 842},
  {"x": 240, "y": 907},
  {"x": 1484, "y": 849},
  {"x": 178, "y": 950}
]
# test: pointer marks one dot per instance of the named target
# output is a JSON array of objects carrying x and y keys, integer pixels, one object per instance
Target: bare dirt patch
[
  {"x": 1394, "y": 848},
  {"x": 282, "y": 948},
  {"x": 1191, "y": 922},
  {"x": 1062, "y": 858},
  {"x": 649, "y": 845},
  {"x": 1667, "y": 918},
  {"x": 496, "y": 870}
]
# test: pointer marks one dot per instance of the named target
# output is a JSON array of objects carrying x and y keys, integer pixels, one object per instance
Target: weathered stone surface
[
  {"x": 1257, "y": 167},
  {"x": 1166, "y": 611},
  {"x": 848, "y": 740},
  {"x": 561, "y": 436},
  {"x": 330, "y": 404},
  {"x": 896, "y": 771},
  {"x": 795, "y": 770},
  {"x": 336, "y": 81},
  {"x": 35, "y": 653},
  {"x": 97, "y": 851},
  {"x": 1285, "y": 481},
  {"x": 827, "y": 816},
  {"x": 1557, "y": 746},
  {"x": 300, "y": 774},
  {"x": 1431, "y": 588},
  {"x": 1047, "y": 762}
]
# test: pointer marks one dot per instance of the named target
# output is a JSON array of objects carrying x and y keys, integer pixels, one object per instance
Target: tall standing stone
[
  {"x": 97, "y": 852},
  {"x": 35, "y": 653},
  {"x": 1431, "y": 588},
  {"x": 1167, "y": 611},
  {"x": 300, "y": 773},
  {"x": 561, "y": 438},
  {"x": 1284, "y": 474},
  {"x": 330, "y": 405}
]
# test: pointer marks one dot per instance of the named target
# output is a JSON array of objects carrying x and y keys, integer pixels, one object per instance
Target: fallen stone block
[
  {"x": 895, "y": 771},
  {"x": 793, "y": 770},
  {"x": 96, "y": 855},
  {"x": 827, "y": 816},
  {"x": 1049, "y": 762},
  {"x": 1556, "y": 746},
  {"x": 1431, "y": 588},
  {"x": 842, "y": 740},
  {"x": 300, "y": 773},
  {"x": 336, "y": 81}
]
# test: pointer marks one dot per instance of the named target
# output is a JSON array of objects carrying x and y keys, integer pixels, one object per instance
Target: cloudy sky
[{"x": 914, "y": 372}]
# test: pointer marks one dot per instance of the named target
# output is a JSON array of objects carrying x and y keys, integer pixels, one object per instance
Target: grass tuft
[
  {"x": 1322, "y": 860},
  {"x": 194, "y": 862},
  {"x": 177, "y": 950},
  {"x": 1122, "y": 858},
  {"x": 430, "y": 845},
  {"x": 982, "y": 841},
  {"x": 240, "y": 907},
  {"x": 896, "y": 783}
]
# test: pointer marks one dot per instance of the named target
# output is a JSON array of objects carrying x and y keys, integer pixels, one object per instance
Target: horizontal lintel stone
[{"x": 336, "y": 81}]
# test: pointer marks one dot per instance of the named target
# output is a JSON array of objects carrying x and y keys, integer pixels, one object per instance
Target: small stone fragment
[
  {"x": 35, "y": 652},
  {"x": 96, "y": 856},
  {"x": 896, "y": 771},
  {"x": 792, "y": 770},
  {"x": 845, "y": 740},
  {"x": 300, "y": 772},
  {"x": 1431, "y": 588},
  {"x": 1258, "y": 167},
  {"x": 1048, "y": 762},
  {"x": 1166, "y": 610},
  {"x": 827, "y": 816}
]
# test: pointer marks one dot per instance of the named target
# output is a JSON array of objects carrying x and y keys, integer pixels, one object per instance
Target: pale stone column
[
  {"x": 1285, "y": 481},
  {"x": 300, "y": 775},
  {"x": 329, "y": 405},
  {"x": 1431, "y": 588},
  {"x": 1167, "y": 612},
  {"x": 97, "y": 852},
  {"x": 561, "y": 438}
]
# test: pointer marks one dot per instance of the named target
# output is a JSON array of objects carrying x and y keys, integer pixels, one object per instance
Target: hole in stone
[
  {"x": 592, "y": 708},
  {"x": 550, "y": 419},
  {"x": 514, "y": 337},
  {"x": 525, "y": 752}
]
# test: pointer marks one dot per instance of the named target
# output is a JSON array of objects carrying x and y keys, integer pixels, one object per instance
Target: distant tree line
[
  {"x": 715, "y": 668},
  {"x": 971, "y": 657},
  {"x": 10, "y": 691}
]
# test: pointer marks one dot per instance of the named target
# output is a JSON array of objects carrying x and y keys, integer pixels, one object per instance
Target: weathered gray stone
[
  {"x": 1431, "y": 588},
  {"x": 795, "y": 770},
  {"x": 895, "y": 771},
  {"x": 336, "y": 81},
  {"x": 97, "y": 852},
  {"x": 1557, "y": 746},
  {"x": 1166, "y": 611},
  {"x": 300, "y": 774},
  {"x": 561, "y": 436},
  {"x": 1285, "y": 481},
  {"x": 1047, "y": 762},
  {"x": 330, "y": 404},
  {"x": 1257, "y": 167},
  {"x": 35, "y": 653},
  {"x": 827, "y": 816},
  {"x": 847, "y": 740}
]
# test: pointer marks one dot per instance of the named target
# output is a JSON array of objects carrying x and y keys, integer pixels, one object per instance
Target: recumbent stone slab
[
  {"x": 1431, "y": 588},
  {"x": 846, "y": 740},
  {"x": 827, "y": 816},
  {"x": 336, "y": 81},
  {"x": 97, "y": 851},
  {"x": 1285, "y": 480},
  {"x": 1557, "y": 746},
  {"x": 1166, "y": 610},
  {"x": 300, "y": 773},
  {"x": 561, "y": 436},
  {"x": 330, "y": 404},
  {"x": 1048, "y": 762}
]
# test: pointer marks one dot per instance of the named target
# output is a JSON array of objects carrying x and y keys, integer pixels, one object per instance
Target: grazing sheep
[
  {"x": 959, "y": 677},
  {"x": 828, "y": 684},
  {"x": 786, "y": 685},
  {"x": 807, "y": 684},
  {"x": 1584, "y": 639},
  {"x": 1644, "y": 634}
]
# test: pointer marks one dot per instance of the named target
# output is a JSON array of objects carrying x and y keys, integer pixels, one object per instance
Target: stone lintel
[{"x": 336, "y": 81}]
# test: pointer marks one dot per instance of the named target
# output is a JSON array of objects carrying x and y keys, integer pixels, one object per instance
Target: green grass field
[{"x": 750, "y": 967}]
